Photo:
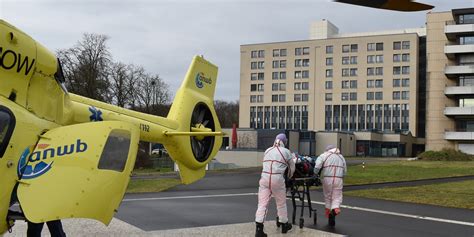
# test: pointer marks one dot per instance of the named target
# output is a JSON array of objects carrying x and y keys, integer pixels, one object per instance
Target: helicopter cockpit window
[
  {"x": 7, "y": 123},
  {"x": 115, "y": 153},
  {"x": 59, "y": 77}
]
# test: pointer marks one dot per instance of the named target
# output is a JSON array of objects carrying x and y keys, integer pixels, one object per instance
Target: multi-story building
[
  {"x": 450, "y": 80},
  {"x": 360, "y": 83}
]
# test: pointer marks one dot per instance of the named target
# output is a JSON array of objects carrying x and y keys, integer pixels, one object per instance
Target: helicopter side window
[
  {"x": 115, "y": 153},
  {"x": 7, "y": 123}
]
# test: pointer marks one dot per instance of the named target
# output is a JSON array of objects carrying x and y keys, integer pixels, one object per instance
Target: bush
[{"x": 445, "y": 154}]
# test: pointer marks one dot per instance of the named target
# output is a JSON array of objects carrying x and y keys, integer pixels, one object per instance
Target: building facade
[{"x": 450, "y": 80}]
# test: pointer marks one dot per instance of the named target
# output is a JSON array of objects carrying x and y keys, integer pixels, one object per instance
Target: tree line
[{"x": 91, "y": 71}]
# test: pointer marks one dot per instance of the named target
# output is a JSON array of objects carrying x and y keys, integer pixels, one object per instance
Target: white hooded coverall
[
  {"x": 272, "y": 182},
  {"x": 334, "y": 169}
]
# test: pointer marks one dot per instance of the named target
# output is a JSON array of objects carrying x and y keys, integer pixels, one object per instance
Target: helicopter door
[{"x": 78, "y": 171}]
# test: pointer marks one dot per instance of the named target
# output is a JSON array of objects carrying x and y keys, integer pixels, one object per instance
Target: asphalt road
[{"x": 231, "y": 198}]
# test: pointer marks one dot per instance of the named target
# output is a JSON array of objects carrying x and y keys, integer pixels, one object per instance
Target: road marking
[
  {"x": 403, "y": 215},
  {"x": 315, "y": 202},
  {"x": 189, "y": 197}
]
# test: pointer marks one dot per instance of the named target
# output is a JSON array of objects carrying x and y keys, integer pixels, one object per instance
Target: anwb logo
[{"x": 41, "y": 161}]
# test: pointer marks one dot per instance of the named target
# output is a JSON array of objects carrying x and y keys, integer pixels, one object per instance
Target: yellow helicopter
[{"x": 66, "y": 156}]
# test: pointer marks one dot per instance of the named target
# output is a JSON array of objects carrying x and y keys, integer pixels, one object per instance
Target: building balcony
[
  {"x": 452, "y": 50},
  {"x": 459, "y": 111},
  {"x": 455, "y": 70},
  {"x": 459, "y": 90},
  {"x": 459, "y": 135},
  {"x": 453, "y": 31}
]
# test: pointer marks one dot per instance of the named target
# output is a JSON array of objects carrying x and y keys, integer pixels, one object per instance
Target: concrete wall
[
  {"x": 240, "y": 158},
  {"x": 247, "y": 139},
  {"x": 344, "y": 141}
]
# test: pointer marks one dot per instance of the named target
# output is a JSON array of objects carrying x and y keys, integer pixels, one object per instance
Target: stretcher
[{"x": 298, "y": 190}]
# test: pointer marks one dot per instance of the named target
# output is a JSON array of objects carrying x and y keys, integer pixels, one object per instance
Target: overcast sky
[{"x": 164, "y": 35}]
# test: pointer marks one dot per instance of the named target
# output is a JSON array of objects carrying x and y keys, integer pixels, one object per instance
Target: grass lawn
[
  {"x": 454, "y": 194},
  {"x": 406, "y": 170},
  {"x": 151, "y": 185}
]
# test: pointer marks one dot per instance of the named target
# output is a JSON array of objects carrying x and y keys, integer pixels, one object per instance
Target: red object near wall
[{"x": 234, "y": 136}]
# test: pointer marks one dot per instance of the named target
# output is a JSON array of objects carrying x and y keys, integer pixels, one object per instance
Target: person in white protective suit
[
  {"x": 272, "y": 183},
  {"x": 332, "y": 166}
]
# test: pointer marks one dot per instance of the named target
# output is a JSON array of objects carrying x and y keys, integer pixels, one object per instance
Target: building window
[
  {"x": 253, "y": 98},
  {"x": 282, "y": 63},
  {"x": 282, "y": 52},
  {"x": 305, "y": 85},
  {"x": 274, "y": 86},
  {"x": 353, "y": 72},
  {"x": 396, "y": 58},
  {"x": 261, "y": 76},
  {"x": 406, "y": 82},
  {"x": 304, "y": 97},
  {"x": 397, "y": 45},
  {"x": 371, "y": 59},
  {"x": 379, "y": 71},
  {"x": 353, "y": 84},
  {"x": 353, "y": 59},
  {"x": 379, "y": 58},
  {"x": 379, "y": 46},
  {"x": 346, "y": 48},
  {"x": 253, "y": 65},
  {"x": 406, "y": 57},
  {"x": 260, "y": 87},
  {"x": 345, "y": 72},
  {"x": 297, "y": 98},
  {"x": 354, "y": 47},
  {"x": 275, "y": 64},
  {"x": 276, "y": 53},
  {"x": 328, "y": 61},
  {"x": 328, "y": 72},
  {"x": 329, "y": 49},
  {"x": 345, "y": 60},
  {"x": 305, "y": 74},
  {"x": 282, "y": 86},
  {"x": 345, "y": 84},
  {"x": 274, "y": 98},
  {"x": 396, "y": 82},
  {"x": 379, "y": 95},
  {"x": 406, "y": 45},
  {"x": 298, "y": 51},
  {"x": 370, "y": 71},
  {"x": 328, "y": 85},
  {"x": 396, "y": 95},
  {"x": 259, "y": 98},
  {"x": 297, "y": 74},
  {"x": 298, "y": 62},
  {"x": 305, "y": 62},
  {"x": 405, "y": 95},
  {"x": 282, "y": 75},
  {"x": 275, "y": 75},
  {"x": 261, "y": 65},
  {"x": 253, "y": 76},
  {"x": 370, "y": 95},
  {"x": 466, "y": 19},
  {"x": 282, "y": 98},
  {"x": 406, "y": 70},
  {"x": 353, "y": 96},
  {"x": 253, "y": 87},
  {"x": 396, "y": 70},
  {"x": 378, "y": 83},
  {"x": 371, "y": 47},
  {"x": 370, "y": 84},
  {"x": 466, "y": 40},
  {"x": 345, "y": 96},
  {"x": 306, "y": 51},
  {"x": 328, "y": 97},
  {"x": 297, "y": 86}
]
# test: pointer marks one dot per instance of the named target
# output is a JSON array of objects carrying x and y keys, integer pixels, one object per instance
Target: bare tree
[
  {"x": 86, "y": 67},
  {"x": 227, "y": 112},
  {"x": 153, "y": 91},
  {"x": 124, "y": 81}
]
